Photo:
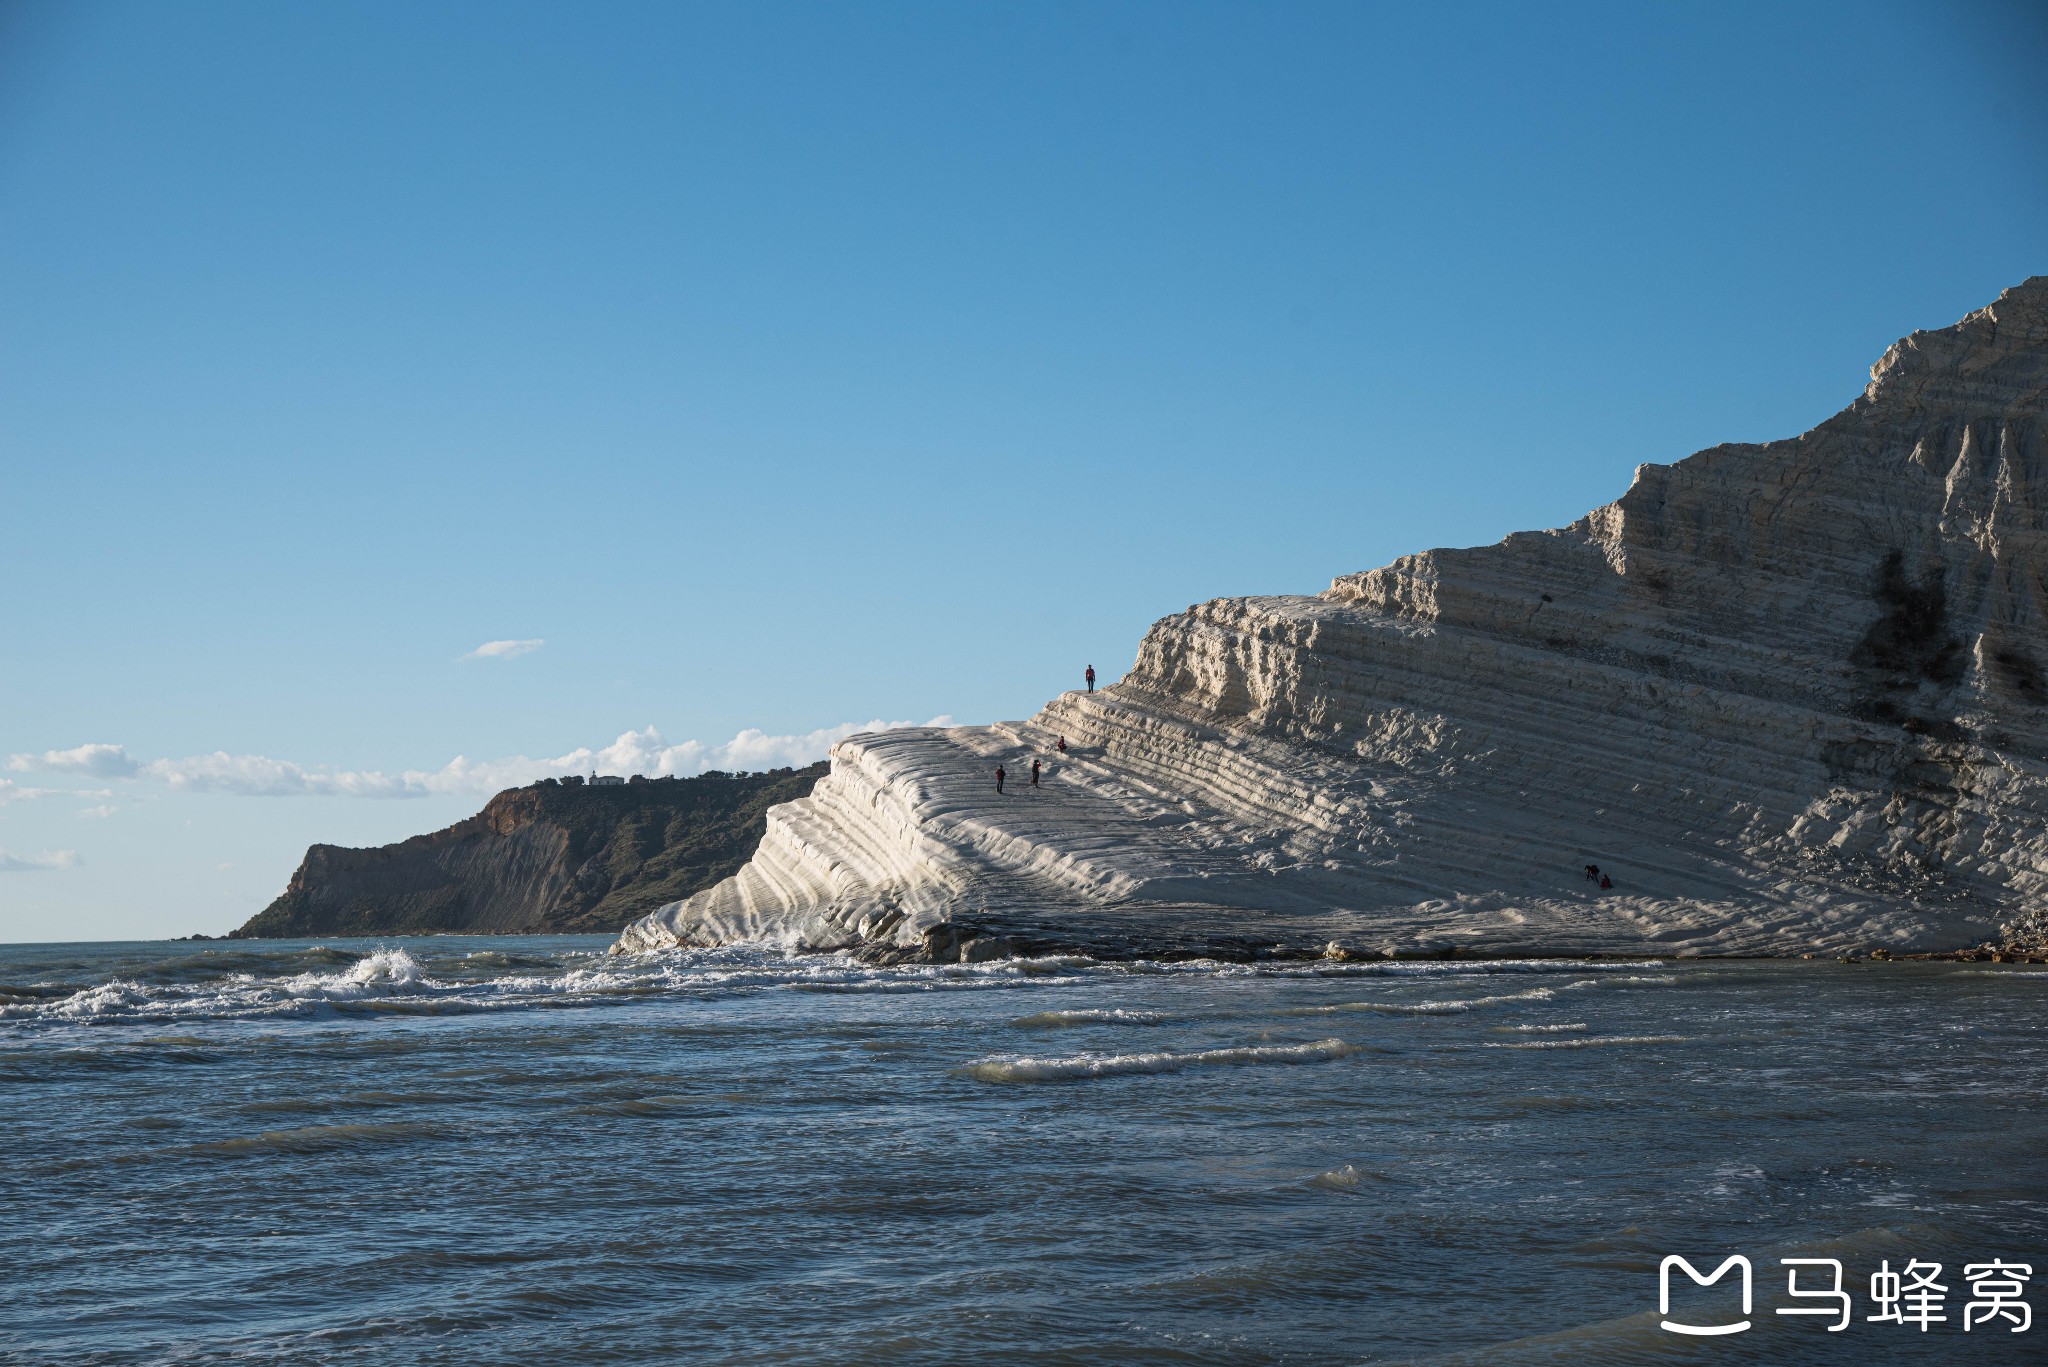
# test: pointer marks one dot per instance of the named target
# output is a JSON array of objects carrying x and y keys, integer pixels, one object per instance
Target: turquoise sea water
[{"x": 463, "y": 1150}]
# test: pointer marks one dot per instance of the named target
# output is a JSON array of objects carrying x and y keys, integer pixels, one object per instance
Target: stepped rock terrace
[{"x": 1789, "y": 697}]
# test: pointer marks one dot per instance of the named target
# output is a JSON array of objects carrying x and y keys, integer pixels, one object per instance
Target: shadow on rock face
[{"x": 1909, "y": 648}]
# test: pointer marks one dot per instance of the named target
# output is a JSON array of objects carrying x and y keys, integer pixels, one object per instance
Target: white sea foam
[
  {"x": 1544, "y": 1029},
  {"x": 1592, "y": 1041},
  {"x": 384, "y": 971},
  {"x": 1348, "y": 1178},
  {"x": 1651, "y": 980},
  {"x": 111, "y": 998},
  {"x": 1447, "y": 1006},
  {"x": 1442, "y": 968},
  {"x": 1054, "y": 1020},
  {"x": 1019, "y": 1069},
  {"x": 322, "y": 980},
  {"x": 393, "y": 980}
]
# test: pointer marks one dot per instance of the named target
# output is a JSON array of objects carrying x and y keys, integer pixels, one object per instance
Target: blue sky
[{"x": 793, "y": 366}]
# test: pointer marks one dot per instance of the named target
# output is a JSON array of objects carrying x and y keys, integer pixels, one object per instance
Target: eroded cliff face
[
  {"x": 1789, "y": 697},
  {"x": 548, "y": 858}
]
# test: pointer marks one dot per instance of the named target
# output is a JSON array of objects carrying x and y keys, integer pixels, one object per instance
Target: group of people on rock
[
  {"x": 1593, "y": 873},
  {"x": 1002, "y": 774},
  {"x": 1060, "y": 744}
]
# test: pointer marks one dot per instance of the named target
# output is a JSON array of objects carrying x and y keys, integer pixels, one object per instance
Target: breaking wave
[
  {"x": 1348, "y": 1178},
  {"x": 1591, "y": 1042},
  {"x": 383, "y": 978},
  {"x": 323, "y": 981},
  {"x": 433, "y": 977},
  {"x": 1447, "y": 1006},
  {"x": 1162, "y": 1061},
  {"x": 1055, "y": 1020}
]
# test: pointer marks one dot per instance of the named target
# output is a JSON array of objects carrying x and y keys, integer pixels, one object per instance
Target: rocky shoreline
[{"x": 957, "y": 942}]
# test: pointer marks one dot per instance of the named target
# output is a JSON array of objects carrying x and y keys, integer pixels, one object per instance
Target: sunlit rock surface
[{"x": 1789, "y": 697}]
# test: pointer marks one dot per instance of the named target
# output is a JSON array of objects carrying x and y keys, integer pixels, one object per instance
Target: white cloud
[
  {"x": 37, "y": 863},
  {"x": 635, "y": 752},
  {"x": 101, "y": 761},
  {"x": 646, "y": 752},
  {"x": 10, "y": 791},
  {"x": 262, "y": 776},
  {"x": 504, "y": 650},
  {"x": 102, "y": 810}
]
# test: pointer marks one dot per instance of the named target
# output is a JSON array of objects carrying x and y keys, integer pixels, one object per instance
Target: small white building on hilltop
[{"x": 605, "y": 780}]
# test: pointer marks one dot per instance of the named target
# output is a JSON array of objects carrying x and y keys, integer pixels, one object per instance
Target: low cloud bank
[
  {"x": 10, "y": 791},
  {"x": 37, "y": 863},
  {"x": 635, "y": 752},
  {"x": 100, "y": 761},
  {"x": 504, "y": 650}
]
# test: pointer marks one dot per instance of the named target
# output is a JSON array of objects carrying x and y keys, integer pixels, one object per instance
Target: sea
[{"x": 527, "y": 1151}]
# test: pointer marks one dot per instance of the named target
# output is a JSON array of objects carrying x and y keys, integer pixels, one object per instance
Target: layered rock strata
[{"x": 1789, "y": 697}]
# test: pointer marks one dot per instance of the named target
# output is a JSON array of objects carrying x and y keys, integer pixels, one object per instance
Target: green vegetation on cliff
[{"x": 553, "y": 858}]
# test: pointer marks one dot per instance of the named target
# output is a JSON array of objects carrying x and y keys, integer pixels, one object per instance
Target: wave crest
[
  {"x": 1079, "y": 1066},
  {"x": 1591, "y": 1042},
  {"x": 1446, "y": 1006},
  {"x": 1117, "y": 1015}
]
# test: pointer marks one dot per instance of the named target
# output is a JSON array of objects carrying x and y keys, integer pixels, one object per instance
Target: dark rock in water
[
  {"x": 547, "y": 859},
  {"x": 957, "y": 944}
]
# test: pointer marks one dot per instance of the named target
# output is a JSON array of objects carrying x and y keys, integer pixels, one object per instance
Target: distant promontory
[{"x": 557, "y": 857}]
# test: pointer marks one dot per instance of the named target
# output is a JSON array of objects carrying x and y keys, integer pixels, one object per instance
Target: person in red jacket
[
  {"x": 1091, "y": 678},
  {"x": 1063, "y": 745},
  {"x": 1000, "y": 776}
]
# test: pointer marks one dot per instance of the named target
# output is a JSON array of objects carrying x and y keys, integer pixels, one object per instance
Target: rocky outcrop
[
  {"x": 552, "y": 858},
  {"x": 1787, "y": 697}
]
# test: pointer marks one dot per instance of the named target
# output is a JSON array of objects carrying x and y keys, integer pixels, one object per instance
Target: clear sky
[{"x": 789, "y": 366}]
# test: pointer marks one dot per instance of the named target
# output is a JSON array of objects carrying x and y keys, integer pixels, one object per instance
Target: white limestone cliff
[{"x": 1790, "y": 697}]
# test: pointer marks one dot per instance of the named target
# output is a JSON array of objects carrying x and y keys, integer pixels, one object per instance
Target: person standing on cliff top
[
  {"x": 1000, "y": 776},
  {"x": 1091, "y": 678},
  {"x": 1034, "y": 773}
]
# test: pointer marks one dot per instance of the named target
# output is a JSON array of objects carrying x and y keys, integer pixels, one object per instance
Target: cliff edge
[
  {"x": 1787, "y": 697},
  {"x": 552, "y": 858}
]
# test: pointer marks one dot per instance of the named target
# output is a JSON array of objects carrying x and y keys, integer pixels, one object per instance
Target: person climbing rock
[
  {"x": 1592, "y": 873},
  {"x": 1000, "y": 776},
  {"x": 1606, "y": 883},
  {"x": 1062, "y": 746},
  {"x": 1034, "y": 773},
  {"x": 1091, "y": 678}
]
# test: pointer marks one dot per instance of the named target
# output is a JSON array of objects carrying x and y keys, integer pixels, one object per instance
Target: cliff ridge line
[
  {"x": 1788, "y": 696},
  {"x": 549, "y": 858}
]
